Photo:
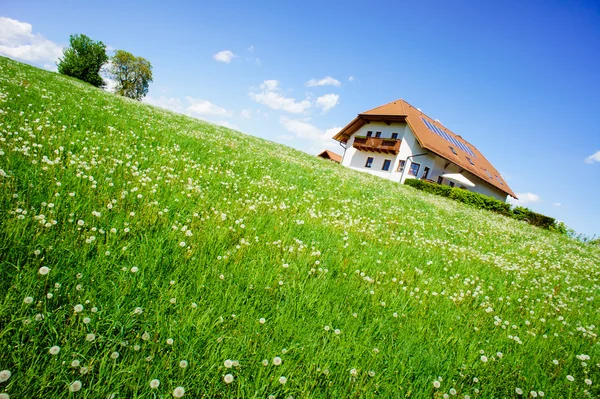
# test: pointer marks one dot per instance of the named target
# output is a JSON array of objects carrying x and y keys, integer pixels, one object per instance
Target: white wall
[{"x": 409, "y": 147}]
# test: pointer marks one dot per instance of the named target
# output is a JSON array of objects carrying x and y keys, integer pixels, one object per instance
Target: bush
[
  {"x": 83, "y": 60},
  {"x": 488, "y": 203}
]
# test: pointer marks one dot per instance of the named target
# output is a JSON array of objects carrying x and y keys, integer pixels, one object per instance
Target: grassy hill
[{"x": 138, "y": 244}]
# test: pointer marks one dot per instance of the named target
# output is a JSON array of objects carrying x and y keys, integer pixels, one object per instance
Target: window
[
  {"x": 425, "y": 173},
  {"x": 453, "y": 150},
  {"x": 369, "y": 133},
  {"x": 414, "y": 169},
  {"x": 451, "y": 184},
  {"x": 394, "y": 135},
  {"x": 378, "y": 134},
  {"x": 400, "y": 167},
  {"x": 386, "y": 164},
  {"x": 488, "y": 173},
  {"x": 470, "y": 161},
  {"x": 440, "y": 179},
  {"x": 369, "y": 162}
]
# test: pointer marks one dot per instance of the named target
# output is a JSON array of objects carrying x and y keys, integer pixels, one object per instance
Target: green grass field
[{"x": 139, "y": 245}]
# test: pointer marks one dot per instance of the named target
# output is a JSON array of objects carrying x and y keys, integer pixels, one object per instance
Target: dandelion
[
  {"x": 4, "y": 396},
  {"x": 262, "y": 320},
  {"x": 182, "y": 244},
  {"x": 178, "y": 392},
  {"x": 44, "y": 270},
  {"x": 371, "y": 373},
  {"x": 83, "y": 370},
  {"x": 170, "y": 341},
  {"x": 194, "y": 305},
  {"x": 570, "y": 378},
  {"x": 337, "y": 331},
  {"x": 138, "y": 310},
  {"x": 183, "y": 364},
  {"x": 533, "y": 394},
  {"x": 519, "y": 391},
  {"x": 277, "y": 361},
  {"x": 5, "y": 375},
  {"x": 436, "y": 384},
  {"x": 588, "y": 381},
  {"x": 326, "y": 328},
  {"x": 265, "y": 362},
  {"x": 484, "y": 359},
  {"x": 228, "y": 378},
  {"x": 114, "y": 355},
  {"x": 555, "y": 361},
  {"x": 75, "y": 363},
  {"x": 54, "y": 350},
  {"x": 452, "y": 391},
  {"x": 282, "y": 380},
  {"x": 145, "y": 336},
  {"x": 353, "y": 372},
  {"x": 90, "y": 337},
  {"x": 78, "y": 308},
  {"x": 28, "y": 300},
  {"x": 154, "y": 383},
  {"x": 228, "y": 363},
  {"x": 173, "y": 301},
  {"x": 134, "y": 269},
  {"x": 499, "y": 354},
  {"x": 75, "y": 386},
  {"x": 94, "y": 309}
]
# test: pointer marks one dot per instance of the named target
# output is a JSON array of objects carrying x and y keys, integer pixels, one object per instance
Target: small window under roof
[{"x": 453, "y": 150}]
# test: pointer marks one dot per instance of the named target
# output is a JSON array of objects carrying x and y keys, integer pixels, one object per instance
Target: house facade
[{"x": 397, "y": 142}]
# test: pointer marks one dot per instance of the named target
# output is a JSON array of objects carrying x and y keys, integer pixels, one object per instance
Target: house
[
  {"x": 332, "y": 156},
  {"x": 397, "y": 141}
]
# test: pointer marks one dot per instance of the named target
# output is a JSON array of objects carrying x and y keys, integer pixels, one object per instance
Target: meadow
[{"x": 146, "y": 254}]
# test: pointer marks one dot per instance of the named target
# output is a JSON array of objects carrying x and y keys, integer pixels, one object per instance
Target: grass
[{"x": 165, "y": 227}]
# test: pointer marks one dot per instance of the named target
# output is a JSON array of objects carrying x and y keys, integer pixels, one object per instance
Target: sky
[{"x": 520, "y": 80}]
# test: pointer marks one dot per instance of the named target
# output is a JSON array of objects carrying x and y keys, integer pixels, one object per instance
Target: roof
[
  {"x": 432, "y": 136},
  {"x": 331, "y": 155}
]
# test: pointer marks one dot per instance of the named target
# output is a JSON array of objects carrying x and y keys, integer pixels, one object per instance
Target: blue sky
[{"x": 520, "y": 80}]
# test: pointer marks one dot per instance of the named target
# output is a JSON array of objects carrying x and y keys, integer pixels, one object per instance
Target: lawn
[{"x": 147, "y": 254}]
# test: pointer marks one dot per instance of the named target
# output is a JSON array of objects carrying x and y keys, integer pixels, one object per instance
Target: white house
[{"x": 397, "y": 141}]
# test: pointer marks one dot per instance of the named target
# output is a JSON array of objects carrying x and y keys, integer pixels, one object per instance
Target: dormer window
[
  {"x": 453, "y": 150},
  {"x": 470, "y": 161}
]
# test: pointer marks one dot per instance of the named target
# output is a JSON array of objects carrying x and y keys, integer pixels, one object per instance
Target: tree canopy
[
  {"x": 83, "y": 60},
  {"x": 132, "y": 74}
]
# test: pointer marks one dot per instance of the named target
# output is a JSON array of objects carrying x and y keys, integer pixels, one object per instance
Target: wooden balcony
[{"x": 375, "y": 144}]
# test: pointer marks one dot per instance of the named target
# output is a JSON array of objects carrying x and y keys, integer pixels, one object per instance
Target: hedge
[{"x": 484, "y": 202}]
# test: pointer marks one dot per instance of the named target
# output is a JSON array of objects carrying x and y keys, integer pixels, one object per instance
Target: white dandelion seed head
[
  {"x": 94, "y": 309},
  {"x": 436, "y": 384},
  {"x": 170, "y": 341},
  {"x": 533, "y": 394},
  {"x": 371, "y": 373},
  {"x": 75, "y": 363},
  {"x": 134, "y": 269},
  {"x": 452, "y": 391},
  {"x": 44, "y": 270},
  {"x": 262, "y": 320},
  {"x": 353, "y": 372},
  {"x": 337, "y": 331},
  {"x": 78, "y": 308},
  {"x": 4, "y": 396},
  {"x": 519, "y": 391},
  {"x": 228, "y": 363},
  {"x": 183, "y": 364},
  {"x": 28, "y": 300},
  {"x": 282, "y": 380},
  {"x": 588, "y": 381},
  {"x": 5, "y": 375},
  {"x": 228, "y": 378},
  {"x": 114, "y": 355},
  {"x": 173, "y": 301},
  {"x": 90, "y": 337},
  {"x": 75, "y": 386},
  {"x": 570, "y": 378},
  {"x": 54, "y": 350},
  {"x": 277, "y": 361},
  {"x": 83, "y": 370},
  {"x": 154, "y": 383},
  {"x": 138, "y": 310},
  {"x": 265, "y": 362},
  {"x": 145, "y": 336},
  {"x": 484, "y": 359},
  {"x": 326, "y": 328},
  {"x": 178, "y": 392}
]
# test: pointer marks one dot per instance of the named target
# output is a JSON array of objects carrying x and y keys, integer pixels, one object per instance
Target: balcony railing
[{"x": 377, "y": 144}]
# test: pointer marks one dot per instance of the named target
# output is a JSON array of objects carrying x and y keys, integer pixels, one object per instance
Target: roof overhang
[{"x": 364, "y": 119}]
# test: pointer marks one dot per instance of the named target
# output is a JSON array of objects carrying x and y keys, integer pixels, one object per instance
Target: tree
[
  {"x": 83, "y": 60},
  {"x": 132, "y": 74}
]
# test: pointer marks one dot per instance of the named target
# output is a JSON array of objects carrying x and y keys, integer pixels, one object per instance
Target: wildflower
[
  {"x": 154, "y": 383},
  {"x": 533, "y": 394},
  {"x": 178, "y": 392},
  {"x": 83, "y": 370},
  {"x": 499, "y": 354},
  {"x": 265, "y": 362},
  {"x": 4, "y": 396},
  {"x": 570, "y": 378},
  {"x": 134, "y": 269},
  {"x": 337, "y": 331},
  {"x": 519, "y": 391},
  {"x": 484, "y": 359},
  {"x": 75, "y": 386},
  {"x": 44, "y": 270},
  {"x": 326, "y": 328},
  {"x": 228, "y": 363},
  {"x": 173, "y": 301},
  {"x": 170, "y": 341},
  {"x": 75, "y": 363},
  {"x": 371, "y": 373},
  {"x": 555, "y": 361},
  {"x": 182, "y": 244},
  {"x": 78, "y": 308},
  {"x": 4, "y": 375},
  {"x": 282, "y": 380},
  {"x": 114, "y": 355},
  {"x": 262, "y": 320},
  {"x": 94, "y": 309},
  {"x": 436, "y": 384},
  {"x": 277, "y": 361},
  {"x": 588, "y": 381},
  {"x": 28, "y": 300},
  {"x": 145, "y": 336},
  {"x": 353, "y": 372},
  {"x": 452, "y": 391},
  {"x": 228, "y": 378},
  {"x": 54, "y": 350},
  {"x": 90, "y": 337},
  {"x": 183, "y": 364},
  {"x": 138, "y": 310}
]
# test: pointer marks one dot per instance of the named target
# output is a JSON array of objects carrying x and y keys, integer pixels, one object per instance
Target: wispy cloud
[
  {"x": 317, "y": 137},
  {"x": 328, "y": 80},
  {"x": 18, "y": 41},
  {"x": 271, "y": 96},
  {"x": 327, "y": 102},
  {"x": 593, "y": 158},
  {"x": 194, "y": 107},
  {"x": 525, "y": 199},
  {"x": 224, "y": 56}
]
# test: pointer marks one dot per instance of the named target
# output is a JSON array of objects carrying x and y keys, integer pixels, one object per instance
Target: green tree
[
  {"x": 83, "y": 60},
  {"x": 132, "y": 74}
]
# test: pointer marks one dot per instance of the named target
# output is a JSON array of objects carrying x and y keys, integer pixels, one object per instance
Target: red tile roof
[
  {"x": 330, "y": 155},
  {"x": 401, "y": 111}
]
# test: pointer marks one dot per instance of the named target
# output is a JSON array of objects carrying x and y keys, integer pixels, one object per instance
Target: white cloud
[
  {"x": 593, "y": 158},
  {"x": 271, "y": 97},
  {"x": 18, "y": 41},
  {"x": 351, "y": 79},
  {"x": 525, "y": 199},
  {"x": 224, "y": 56},
  {"x": 323, "y": 82},
  {"x": 203, "y": 108},
  {"x": 556, "y": 204},
  {"x": 251, "y": 49},
  {"x": 246, "y": 113},
  {"x": 305, "y": 130},
  {"x": 328, "y": 101},
  {"x": 193, "y": 107}
]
